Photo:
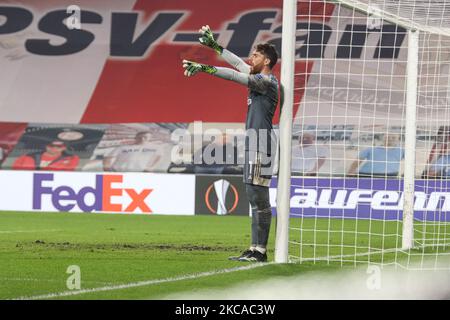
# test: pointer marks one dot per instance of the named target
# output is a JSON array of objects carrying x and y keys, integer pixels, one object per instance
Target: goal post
[
  {"x": 365, "y": 133},
  {"x": 410, "y": 139},
  {"x": 284, "y": 173}
]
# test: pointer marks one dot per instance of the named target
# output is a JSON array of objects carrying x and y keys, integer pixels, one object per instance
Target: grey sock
[
  {"x": 255, "y": 224},
  {"x": 265, "y": 218},
  {"x": 261, "y": 220},
  {"x": 261, "y": 213}
]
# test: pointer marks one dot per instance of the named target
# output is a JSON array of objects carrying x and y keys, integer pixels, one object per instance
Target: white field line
[
  {"x": 27, "y": 231},
  {"x": 48, "y": 280},
  {"x": 142, "y": 283},
  {"x": 28, "y": 279}
]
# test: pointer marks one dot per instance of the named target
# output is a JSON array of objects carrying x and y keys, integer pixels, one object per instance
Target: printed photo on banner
[
  {"x": 10, "y": 133},
  {"x": 210, "y": 148},
  {"x": 145, "y": 147},
  {"x": 321, "y": 149},
  {"x": 438, "y": 161},
  {"x": 54, "y": 147},
  {"x": 366, "y": 151}
]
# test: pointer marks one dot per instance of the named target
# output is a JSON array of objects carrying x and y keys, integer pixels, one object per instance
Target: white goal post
[{"x": 284, "y": 172}]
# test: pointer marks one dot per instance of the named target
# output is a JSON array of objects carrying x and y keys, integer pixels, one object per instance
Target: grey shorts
[{"x": 258, "y": 168}]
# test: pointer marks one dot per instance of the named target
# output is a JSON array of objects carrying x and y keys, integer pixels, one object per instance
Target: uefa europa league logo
[{"x": 221, "y": 188}]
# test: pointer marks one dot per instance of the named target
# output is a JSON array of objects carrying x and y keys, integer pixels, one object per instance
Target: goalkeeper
[{"x": 260, "y": 142}]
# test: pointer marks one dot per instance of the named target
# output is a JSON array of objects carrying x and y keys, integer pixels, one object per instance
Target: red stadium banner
[{"x": 121, "y": 60}]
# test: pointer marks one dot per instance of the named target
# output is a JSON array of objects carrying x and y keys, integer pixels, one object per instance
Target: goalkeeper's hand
[
  {"x": 191, "y": 68},
  {"x": 207, "y": 39}
]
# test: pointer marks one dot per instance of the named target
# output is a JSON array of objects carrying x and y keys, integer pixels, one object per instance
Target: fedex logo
[{"x": 102, "y": 197}]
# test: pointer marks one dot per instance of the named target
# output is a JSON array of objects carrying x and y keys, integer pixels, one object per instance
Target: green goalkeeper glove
[
  {"x": 207, "y": 39},
  {"x": 192, "y": 68}
]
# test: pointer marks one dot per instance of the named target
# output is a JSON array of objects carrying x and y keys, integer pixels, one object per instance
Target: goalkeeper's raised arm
[
  {"x": 192, "y": 68},
  {"x": 259, "y": 79},
  {"x": 207, "y": 39}
]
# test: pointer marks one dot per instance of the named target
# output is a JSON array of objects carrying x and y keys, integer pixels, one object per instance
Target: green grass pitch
[{"x": 117, "y": 249}]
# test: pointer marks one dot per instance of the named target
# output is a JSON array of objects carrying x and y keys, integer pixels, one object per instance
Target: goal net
[{"x": 370, "y": 143}]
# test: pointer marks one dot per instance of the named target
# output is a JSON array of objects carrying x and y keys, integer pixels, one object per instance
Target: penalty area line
[
  {"x": 141, "y": 283},
  {"x": 27, "y": 231}
]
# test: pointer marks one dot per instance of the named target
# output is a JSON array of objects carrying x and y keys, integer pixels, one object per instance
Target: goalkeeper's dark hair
[{"x": 269, "y": 51}]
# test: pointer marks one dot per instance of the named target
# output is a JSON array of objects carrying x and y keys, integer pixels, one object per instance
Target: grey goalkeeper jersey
[{"x": 262, "y": 103}]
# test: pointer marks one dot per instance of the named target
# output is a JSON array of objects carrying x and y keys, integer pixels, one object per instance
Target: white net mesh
[
  {"x": 426, "y": 15},
  {"x": 349, "y": 131}
]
